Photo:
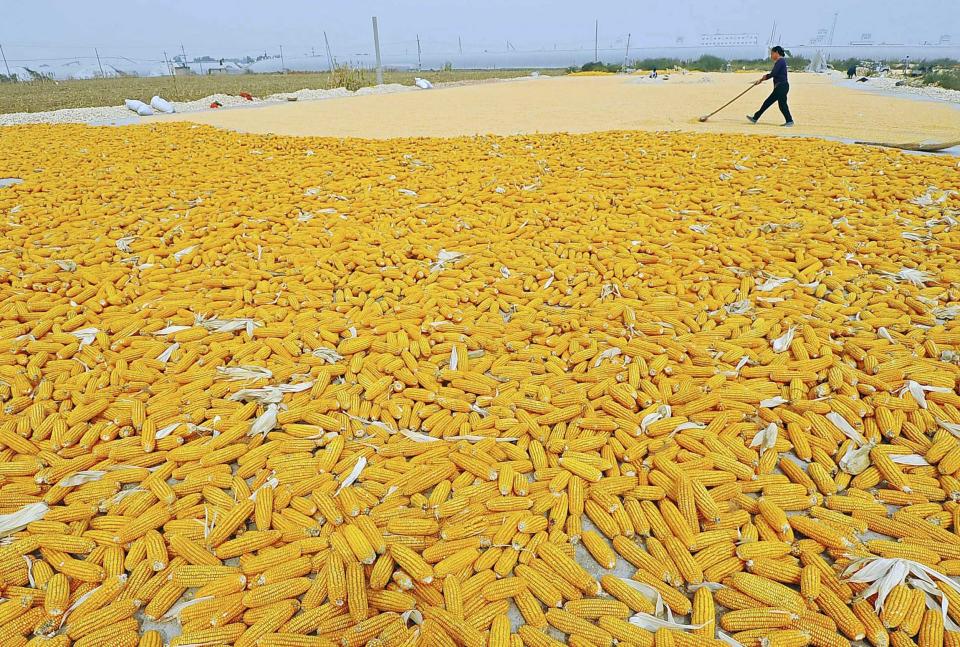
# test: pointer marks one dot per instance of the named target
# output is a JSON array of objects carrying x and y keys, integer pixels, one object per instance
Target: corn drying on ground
[{"x": 289, "y": 392}]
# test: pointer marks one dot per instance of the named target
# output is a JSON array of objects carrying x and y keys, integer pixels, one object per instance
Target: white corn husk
[
  {"x": 167, "y": 430},
  {"x": 81, "y": 477},
  {"x": 239, "y": 373},
  {"x": 230, "y": 325},
  {"x": 443, "y": 258},
  {"x": 773, "y": 283},
  {"x": 917, "y": 390},
  {"x": 266, "y": 422},
  {"x": 739, "y": 307},
  {"x": 845, "y": 428},
  {"x": 123, "y": 244},
  {"x": 765, "y": 438},
  {"x": 856, "y": 459},
  {"x": 610, "y": 353},
  {"x": 166, "y": 354},
  {"x": 328, "y": 355},
  {"x": 170, "y": 330},
  {"x": 883, "y": 574},
  {"x": 417, "y": 436},
  {"x": 85, "y": 335},
  {"x": 272, "y": 394},
  {"x": 178, "y": 256},
  {"x": 912, "y": 460},
  {"x": 353, "y": 475},
  {"x": 773, "y": 402},
  {"x": 782, "y": 343},
  {"x": 271, "y": 483},
  {"x": 17, "y": 521},
  {"x": 453, "y": 359},
  {"x": 910, "y": 275},
  {"x": 663, "y": 411}
]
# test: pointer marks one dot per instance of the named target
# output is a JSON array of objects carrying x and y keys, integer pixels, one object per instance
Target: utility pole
[
  {"x": 419, "y": 64},
  {"x": 833, "y": 28},
  {"x": 326, "y": 42},
  {"x": 283, "y": 66},
  {"x": 376, "y": 47},
  {"x": 102, "y": 75},
  {"x": 596, "y": 35},
  {"x": 460, "y": 45},
  {"x": 176, "y": 88},
  {"x": 5, "y": 64},
  {"x": 626, "y": 54},
  {"x": 184, "y": 53}
]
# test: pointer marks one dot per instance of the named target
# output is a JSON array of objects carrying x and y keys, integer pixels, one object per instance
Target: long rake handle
[{"x": 750, "y": 87}]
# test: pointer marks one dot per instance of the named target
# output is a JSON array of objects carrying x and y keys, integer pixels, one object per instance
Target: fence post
[
  {"x": 283, "y": 66},
  {"x": 376, "y": 47}
]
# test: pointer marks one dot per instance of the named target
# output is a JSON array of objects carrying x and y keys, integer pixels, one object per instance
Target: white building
[{"x": 728, "y": 40}]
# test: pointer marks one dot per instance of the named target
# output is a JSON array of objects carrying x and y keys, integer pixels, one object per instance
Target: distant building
[
  {"x": 865, "y": 39},
  {"x": 945, "y": 40},
  {"x": 821, "y": 38},
  {"x": 729, "y": 40}
]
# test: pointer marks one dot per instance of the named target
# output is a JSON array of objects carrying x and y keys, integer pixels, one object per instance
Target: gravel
[
  {"x": 888, "y": 85},
  {"x": 120, "y": 115}
]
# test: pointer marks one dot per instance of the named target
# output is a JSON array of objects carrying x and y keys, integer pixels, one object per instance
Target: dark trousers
[{"x": 778, "y": 96}]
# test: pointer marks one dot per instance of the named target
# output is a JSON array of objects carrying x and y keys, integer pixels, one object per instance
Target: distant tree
[
  {"x": 599, "y": 66},
  {"x": 708, "y": 63}
]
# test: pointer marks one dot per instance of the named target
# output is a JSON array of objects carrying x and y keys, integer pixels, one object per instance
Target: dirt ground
[{"x": 586, "y": 104}]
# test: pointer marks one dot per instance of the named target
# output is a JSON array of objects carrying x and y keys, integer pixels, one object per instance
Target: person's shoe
[
  {"x": 789, "y": 124},
  {"x": 751, "y": 119}
]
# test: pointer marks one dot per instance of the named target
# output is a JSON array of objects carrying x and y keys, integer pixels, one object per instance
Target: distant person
[
  {"x": 851, "y": 71},
  {"x": 653, "y": 74},
  {"x": 780, "y": 87}
]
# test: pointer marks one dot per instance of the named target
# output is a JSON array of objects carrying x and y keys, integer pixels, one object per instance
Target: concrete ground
[{"x": 821, "y": 106}]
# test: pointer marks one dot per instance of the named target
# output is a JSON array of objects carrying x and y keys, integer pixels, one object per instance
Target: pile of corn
[{"x": 646, "y": 389}]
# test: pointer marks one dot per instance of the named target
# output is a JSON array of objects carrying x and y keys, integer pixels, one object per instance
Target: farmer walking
[{"x": 780, "y": 87}]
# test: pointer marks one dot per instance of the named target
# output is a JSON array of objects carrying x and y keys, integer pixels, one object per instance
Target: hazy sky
[{"x": 34, "y": 29}]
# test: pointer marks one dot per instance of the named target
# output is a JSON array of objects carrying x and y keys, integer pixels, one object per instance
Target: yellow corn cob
[
  {"x": 835, "y": 608},
  {"x": 567, "y": 568},
  {"x": 79, "y": 627},
  {"x": 895, "y": 606},
  {"x": 704, "y": 613},
  {"x": 356, "y": 592},
  {"x": 57, "y": 595},
  {"x": 763, "y": 617},
  {"x": 568, "y": 623},
  {"x": 767, "y": 591},
  {"x": 599, "y": 549}
]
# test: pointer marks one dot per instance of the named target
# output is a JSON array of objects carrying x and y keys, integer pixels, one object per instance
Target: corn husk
[
  {"x": 353, "y": 475},
  {"x": 17, "y": 521}
]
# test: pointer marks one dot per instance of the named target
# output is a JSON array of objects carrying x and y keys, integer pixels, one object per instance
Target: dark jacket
[{"x": 779, "y": 72}]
